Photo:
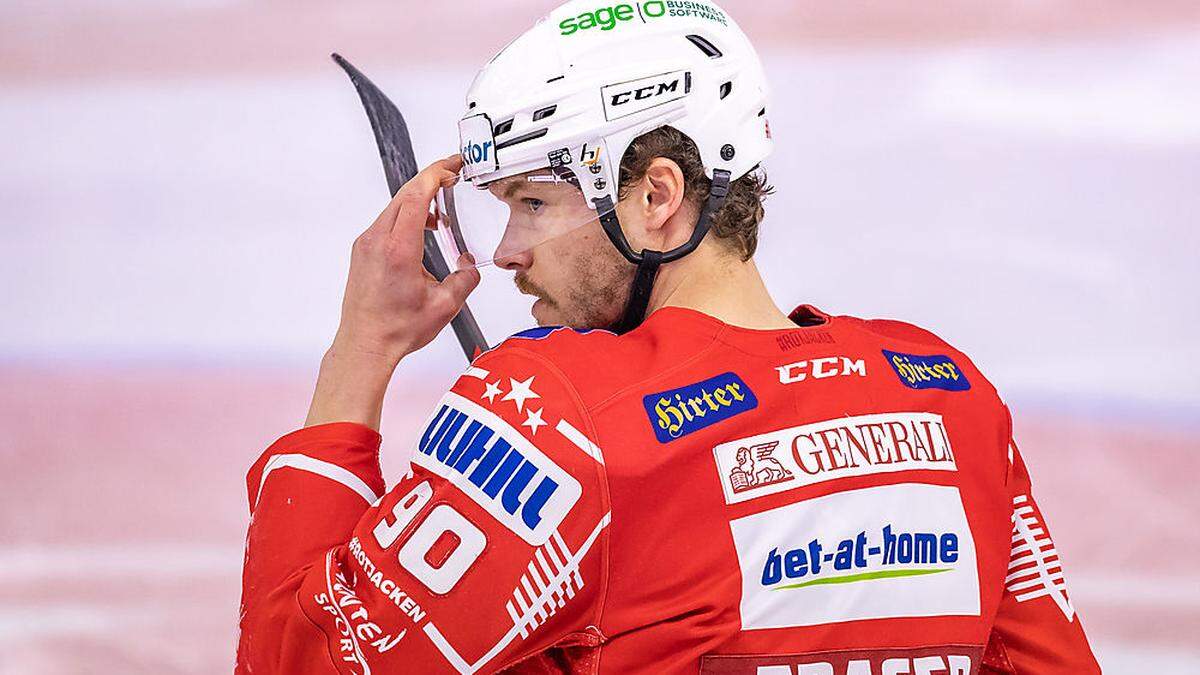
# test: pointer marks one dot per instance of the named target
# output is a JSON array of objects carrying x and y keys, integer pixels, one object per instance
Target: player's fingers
[
  {"x": 414, "y": 198},
  {"x": 446, "y": 170},
  {"x": 383, "y": 222},
  {"x": 460, "y": 283}
]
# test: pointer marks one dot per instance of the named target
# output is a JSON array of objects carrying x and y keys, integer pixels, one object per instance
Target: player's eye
[{"x": 533, "y": 204}]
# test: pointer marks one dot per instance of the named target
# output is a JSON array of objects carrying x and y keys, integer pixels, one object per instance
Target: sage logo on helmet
[
  {"x": 627, "y": 98},
  {"x": 478, "y": 145},
  {"x": 609, "y": 17}
]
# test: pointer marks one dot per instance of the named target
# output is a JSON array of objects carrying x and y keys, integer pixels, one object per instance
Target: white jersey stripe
[
  {"x": 319, "y": 467},
  {"x": 579, "y": 440}
]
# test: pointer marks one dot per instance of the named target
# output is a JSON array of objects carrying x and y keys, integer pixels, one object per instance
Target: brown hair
[{"x": 736, "y": 223}]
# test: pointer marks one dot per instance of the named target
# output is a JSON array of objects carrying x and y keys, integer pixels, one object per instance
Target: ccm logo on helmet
[
  {"x": 643, "y": 93},
  {"x": 628, "y": 98}
]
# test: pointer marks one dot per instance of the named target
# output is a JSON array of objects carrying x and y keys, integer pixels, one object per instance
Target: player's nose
[
  {"x": 513, "y": 261},
  {"x": 513, "y": 253}
]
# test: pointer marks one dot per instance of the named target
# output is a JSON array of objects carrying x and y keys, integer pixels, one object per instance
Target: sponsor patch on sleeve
[
  {"x": 496, "y": 466},
  {"x": 927, "y": 372},
  {"x": 678, "y": 412}
]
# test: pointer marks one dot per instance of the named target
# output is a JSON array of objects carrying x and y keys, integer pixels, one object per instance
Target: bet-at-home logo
[
  {"x": 864, "y": 557},
  {"x": 608, "y": 17},
  {"x": 873, "y": 553}
]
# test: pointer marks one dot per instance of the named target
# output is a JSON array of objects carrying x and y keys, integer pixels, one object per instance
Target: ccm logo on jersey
[
  {"x": 628, "y": 98},
  {"x": 819, "y": 369},
  {"x": 948, "y": 660},
  {"x": 874, "y": 553},
  {"x": 847, "y": 446},
  {"x": 679, "y": 412},
  {"x": 927, "y": 372},
  {"x": 496, "y": 466}
]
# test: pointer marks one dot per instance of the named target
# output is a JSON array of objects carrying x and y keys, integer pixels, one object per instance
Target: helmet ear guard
[{"x": 648, "y": 261}]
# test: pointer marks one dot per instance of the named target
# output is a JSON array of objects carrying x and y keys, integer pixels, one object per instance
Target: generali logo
[{"x": 848, "y": 446}]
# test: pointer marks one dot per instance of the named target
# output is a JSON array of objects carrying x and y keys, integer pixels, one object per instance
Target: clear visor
[{"x": 510, "y": 216}]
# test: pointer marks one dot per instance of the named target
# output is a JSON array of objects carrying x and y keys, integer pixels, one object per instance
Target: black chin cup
[{"x": 648, "y": 261}]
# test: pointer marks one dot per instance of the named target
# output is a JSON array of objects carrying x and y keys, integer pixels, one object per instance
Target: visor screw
[
  {"x": 600, "y": 183},
  {"x": 727, "y": 152},
  {"x": 595, "y": 168}
]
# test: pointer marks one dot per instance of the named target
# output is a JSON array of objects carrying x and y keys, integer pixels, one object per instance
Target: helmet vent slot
[
  {"x": 503, "y": 128},
  {"x": 522, "y": 138},
  {"x": 705, "y": 46},
  {"x": 726, "y": 89},
  {"x": 555, "y": 79},
  {"x": 544, "y": 113}
]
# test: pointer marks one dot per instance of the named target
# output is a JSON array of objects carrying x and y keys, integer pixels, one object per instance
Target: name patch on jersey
[
  {"x": 846, "y": 446},
  {"x": 927, "y": 372},
  {"x": 678, "y": 412},
  {"x": 495, "y": 465},
  {"x": 875, "y": 553},
  {"x": 947, "y": 660}
]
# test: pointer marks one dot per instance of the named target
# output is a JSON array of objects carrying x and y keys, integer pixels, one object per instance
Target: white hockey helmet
[{"x": 573, "y": 92}]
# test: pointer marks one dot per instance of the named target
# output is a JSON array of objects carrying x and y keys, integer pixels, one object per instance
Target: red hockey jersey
[{"x": 841, "y": 498}]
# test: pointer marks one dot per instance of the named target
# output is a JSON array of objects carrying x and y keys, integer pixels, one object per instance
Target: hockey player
[{"x": 707, "y": 485}]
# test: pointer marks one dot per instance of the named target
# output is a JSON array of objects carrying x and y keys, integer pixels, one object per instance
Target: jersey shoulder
[
  {"x": 920, "y": 357},
  {"x": 899, "y": 330},
  {"x": 594, "y": 363}
]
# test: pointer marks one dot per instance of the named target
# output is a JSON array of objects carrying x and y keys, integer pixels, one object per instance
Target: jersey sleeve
[
  {"x": 1036, "y": 628},
  {"x": 490, "y": 552},
  {"x": 307, "y": 492}
]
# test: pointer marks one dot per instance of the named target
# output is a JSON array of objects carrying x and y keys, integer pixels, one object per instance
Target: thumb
[{"x": 460, "y": 283}]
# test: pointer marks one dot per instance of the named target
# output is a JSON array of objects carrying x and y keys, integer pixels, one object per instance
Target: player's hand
[{"x": 393, "y": 306}]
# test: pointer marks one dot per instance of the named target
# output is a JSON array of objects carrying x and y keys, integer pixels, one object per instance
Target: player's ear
[{"x": 662, "y": 192}]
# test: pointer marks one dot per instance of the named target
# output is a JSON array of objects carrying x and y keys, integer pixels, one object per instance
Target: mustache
[{"x": 527, "y": 287}]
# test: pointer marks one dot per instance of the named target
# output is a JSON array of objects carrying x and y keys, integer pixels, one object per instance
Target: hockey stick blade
[{"x": 399, "y": 166}]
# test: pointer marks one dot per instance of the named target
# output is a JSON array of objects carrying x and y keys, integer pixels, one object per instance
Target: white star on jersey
[
  {"x": 521, "y": 392},
  {"x": 534, "y": 420},
  {"x": 493, "y": 390}
]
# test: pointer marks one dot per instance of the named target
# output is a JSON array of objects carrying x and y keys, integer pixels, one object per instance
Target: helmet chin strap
[{"x": 649, "y": 261}]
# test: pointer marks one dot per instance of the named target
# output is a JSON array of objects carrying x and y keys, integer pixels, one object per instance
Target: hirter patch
[
  {"x": 927, "y": 372},
  {"x": 678, "y": 412}
]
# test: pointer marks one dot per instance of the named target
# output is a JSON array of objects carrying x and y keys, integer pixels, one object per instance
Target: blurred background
[{"x": 180, "y": 181}]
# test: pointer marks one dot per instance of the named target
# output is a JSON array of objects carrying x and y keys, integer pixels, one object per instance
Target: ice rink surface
[{"x": 174, "y": 250}]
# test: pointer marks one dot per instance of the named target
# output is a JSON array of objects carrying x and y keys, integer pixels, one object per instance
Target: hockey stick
[{"x": 399, "y": 165}]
